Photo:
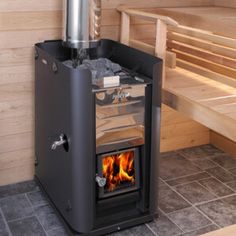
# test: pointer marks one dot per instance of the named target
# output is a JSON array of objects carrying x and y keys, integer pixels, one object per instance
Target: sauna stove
[{"x": 97, "y": 126}]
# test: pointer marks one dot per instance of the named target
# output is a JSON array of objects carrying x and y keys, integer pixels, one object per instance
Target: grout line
[
  {"x": 225, "y": 185},
  {"x": 192, "y": 205},
  {"x": 166, "y": 215},
  {"x": 226, "y": 170},
  {"x": 183, "y": 176},
  {"x": 151, "y": 229},
  {"x": 198, "y": 158},
  {"x": 207, "y": 190},
  {"x": 217, "y": 165},
  {"x": 16, "y": 194},
  {"x": 201, "y": 228},
  {"x": 47, "y": 204},
  {"x": 217, "y": 199},
  {"x": 189, "y": 182},
  {"x": 232, "y": 169},
  {"x": 21, "y": 218},
  {"x": 56, "y": 228},
  {"x": 33, "y": 208},
  {"x": 176, "y": 223},
  {"x": 5, "y": 222}
]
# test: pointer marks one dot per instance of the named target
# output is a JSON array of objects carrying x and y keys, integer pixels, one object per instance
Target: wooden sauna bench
[{"x": 202, "y": 83}]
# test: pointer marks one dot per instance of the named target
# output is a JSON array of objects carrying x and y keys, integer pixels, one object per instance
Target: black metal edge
[
  {"x": 101, "y": 231},
  {"x": 155, "y": 134}
]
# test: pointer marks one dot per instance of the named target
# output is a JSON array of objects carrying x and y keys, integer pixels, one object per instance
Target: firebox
[
  {"x": 97, "y": 141},
  {"x": 120, "y": 172}
]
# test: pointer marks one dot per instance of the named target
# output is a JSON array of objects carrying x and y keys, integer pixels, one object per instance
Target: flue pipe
[{"x": 82, "y": 20}]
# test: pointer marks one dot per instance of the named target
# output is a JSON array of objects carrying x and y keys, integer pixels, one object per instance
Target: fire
[{"x": 118, "y": 169}]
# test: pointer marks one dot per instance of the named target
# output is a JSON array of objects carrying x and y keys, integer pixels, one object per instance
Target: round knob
[{"x": 101, "y": 181}]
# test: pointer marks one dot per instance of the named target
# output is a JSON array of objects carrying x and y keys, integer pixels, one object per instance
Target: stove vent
[{"x": 81, "y": 26}]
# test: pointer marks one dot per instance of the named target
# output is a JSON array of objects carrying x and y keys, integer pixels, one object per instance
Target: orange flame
[{"x": 118, "y": 169}]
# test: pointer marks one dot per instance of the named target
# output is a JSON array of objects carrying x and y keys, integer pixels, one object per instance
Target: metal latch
[{"x": 62, "y": 140}]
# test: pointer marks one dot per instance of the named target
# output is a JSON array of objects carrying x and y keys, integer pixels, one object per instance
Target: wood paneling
[
  {"x": 30, "y": 20},
  {"x": 25, "y": 22},
  {"x": 21, "y": 73},
  {"x": 16, "y": 91},
  {"x": 16, "y": 56},
  {"x": 223, "y": 143},
  {"x": 178, "y": 131},
  {"x": 16, "y": 142},
  {"x": 16, "y": 158},
  {"x": 225, "y": 3},
  {"x": 184, "y": 141},
  {"x": 16, "y": 108},
  {"x": 51, "y": 5},
  {"x": 17, "y": 174},
  {"x": 16, "y": 125},
  {"x": 26, "y": 38},
  {"x": 30, "y": 5}
]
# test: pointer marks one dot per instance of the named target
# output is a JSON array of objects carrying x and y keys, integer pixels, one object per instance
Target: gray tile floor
[{"x": 197, "y": 195}]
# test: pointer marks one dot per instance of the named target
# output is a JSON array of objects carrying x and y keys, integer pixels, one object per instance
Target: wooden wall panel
[
  {"x": 225, "y": 3},
  {"x": 52, "y": 5},
  {"x": 30, "y": 20},
  {"x": 22, "y": 24},
  {"x": 27, "y": 38},
  {"x": 21, "y": 73}
]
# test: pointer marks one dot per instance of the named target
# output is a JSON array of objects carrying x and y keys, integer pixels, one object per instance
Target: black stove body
[{"x": 83, "y": 130}]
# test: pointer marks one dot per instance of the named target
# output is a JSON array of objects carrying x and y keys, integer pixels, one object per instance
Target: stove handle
[
  {"x": 59, "y": 142},
  {"x": 101, "y": 181}
]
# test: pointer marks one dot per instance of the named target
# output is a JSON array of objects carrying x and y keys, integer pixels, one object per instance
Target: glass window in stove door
[{"x": 119, "y": 171}]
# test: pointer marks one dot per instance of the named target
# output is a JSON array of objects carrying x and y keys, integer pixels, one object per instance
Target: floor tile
[
  {"x": 135, "y": 231},
  {"x": 201, "y": 231},
  {"x": 171, "y": 167},
  {"x": 164, "y": 227},
  {"x": 26, "y": 227},
  {"x": 57, "y": 232},
  {"x": 231, "y": 200},
  {"x": 47, "y": 217},
  {"x": 170, "y": 201},
  {"x": 194, "y": 192},
  {"x": 221, "y": 174},
  {"x": 37, "y": 198},
  {"x": 216, "y": 187},
  {"x": 233, "y": 171},
  {"x": 204, "y": 164},
  {"x": 232, "y": 185},
  {"x": 187, "y": 179},
  {"x": 3, "y": 227},
  {"x": 168, "y": 154},
  {"x": 226, "y": 161},
  {"x": 13, "y": 189},
  {"x": 16, "y": 207},
  {"x": 189, "y": 219},
  {"x": 221, "y": 212},
  {"x": 200, "y": 152}
]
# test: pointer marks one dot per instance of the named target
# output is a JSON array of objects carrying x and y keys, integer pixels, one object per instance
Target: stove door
[{"x": 119, "y": 172}]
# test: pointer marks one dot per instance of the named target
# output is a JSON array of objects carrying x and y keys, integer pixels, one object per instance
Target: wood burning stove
[
  {"x": 97, "y": 126},
  {"x": 97, "y": 147}
]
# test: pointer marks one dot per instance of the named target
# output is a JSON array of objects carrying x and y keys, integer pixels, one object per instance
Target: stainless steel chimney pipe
[{"x": 81, "y": 26}]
